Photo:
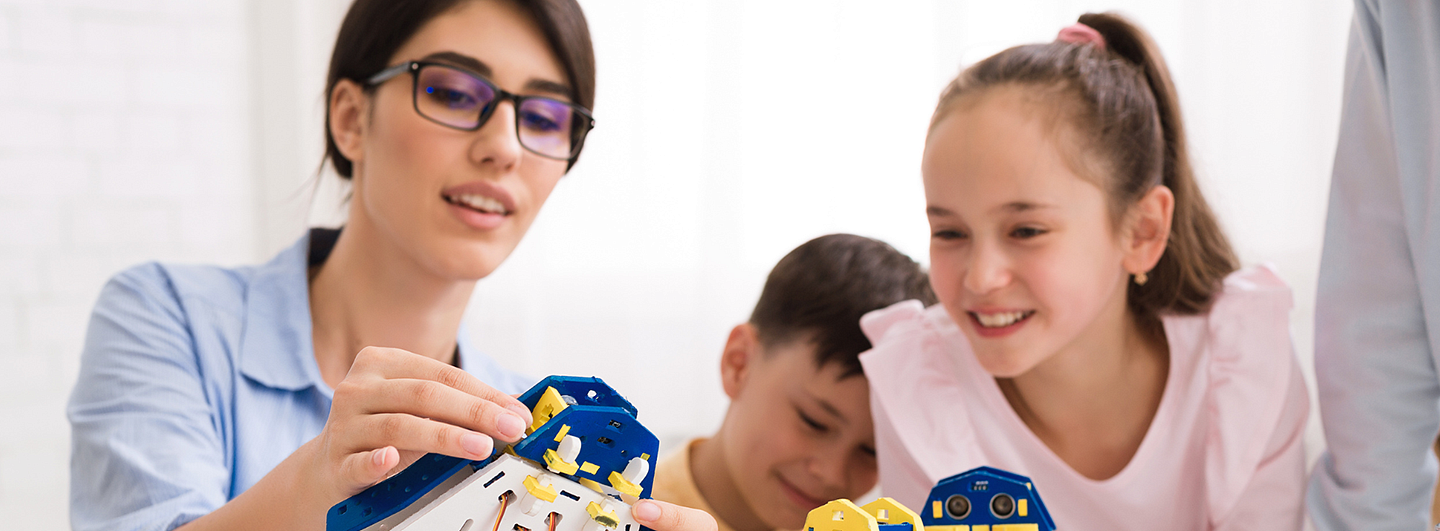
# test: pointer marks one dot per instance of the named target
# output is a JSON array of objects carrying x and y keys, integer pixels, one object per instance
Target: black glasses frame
[{"x": 579, "y": 129}]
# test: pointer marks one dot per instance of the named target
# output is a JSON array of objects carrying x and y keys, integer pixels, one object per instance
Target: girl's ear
[
  {"x": 348, "y": 109},
  {"x": 1148, "y": 230},
  {"x": 742, "y": 351}
]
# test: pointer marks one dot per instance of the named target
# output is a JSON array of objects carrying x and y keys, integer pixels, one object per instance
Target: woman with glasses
[{"x": 258, "y": 397}]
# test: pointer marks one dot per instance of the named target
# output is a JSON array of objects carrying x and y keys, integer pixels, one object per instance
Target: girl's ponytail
[
  {"x": 1198, "y": 256},
  {"x": 1118, "y": 97}
]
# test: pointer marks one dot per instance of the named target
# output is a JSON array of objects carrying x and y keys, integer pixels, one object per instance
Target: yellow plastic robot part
[
  {"x": 602, "y": 516},
  {"x": 553, "y": 462},
  {"x": 544, "y": 492},
  {"x": 840, "y": 515},
  {"x": 549, "y": 405},
  {"x": 948, "y": 528},
  {"x": 1023, "y": 507},
  {"x": 1013, "y": 527},
  {"x": 589, "y": 468},
  {"x": 594, "y": 485},
  {"x": 936, "y": 510},
  {"x": 889, "y": 511},
  {"x": 623, "y": 485},
  {"x": 564, "y": 430}
]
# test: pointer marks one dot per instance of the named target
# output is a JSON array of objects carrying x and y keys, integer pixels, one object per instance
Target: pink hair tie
[{"x": 1079, "y": 33}]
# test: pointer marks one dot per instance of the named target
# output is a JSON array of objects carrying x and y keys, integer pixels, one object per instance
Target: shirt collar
[{"x": 276, "y": 347}]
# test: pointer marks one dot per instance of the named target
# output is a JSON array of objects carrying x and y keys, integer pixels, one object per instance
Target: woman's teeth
[
  {"x": 997, "y": 320},
  {"x": 479, "y": 202}
]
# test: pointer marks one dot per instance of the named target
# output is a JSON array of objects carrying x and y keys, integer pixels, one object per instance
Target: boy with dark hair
[{"x": 798, "y": 431}]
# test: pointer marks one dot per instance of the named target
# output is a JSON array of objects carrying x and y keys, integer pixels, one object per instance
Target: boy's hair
[
  {"x": 821, "y": 289},
  {"x": 1121, "y": 109}
]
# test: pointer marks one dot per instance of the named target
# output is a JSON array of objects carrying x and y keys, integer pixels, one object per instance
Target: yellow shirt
[{"x": 674, "y": 484}]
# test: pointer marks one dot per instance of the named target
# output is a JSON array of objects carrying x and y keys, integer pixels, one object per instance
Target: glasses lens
[
  {"x": 548, "y": 127},
  {"x": 452, "y": 97}
]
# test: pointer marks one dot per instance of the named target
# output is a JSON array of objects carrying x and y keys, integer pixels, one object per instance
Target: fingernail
[
  {"x": 477, "y": 445},
  {"x": 646, "y": 511},
  {"x": 510, "y": 426},
  {"x": 377, "y": 457},
  {"x": 519, "y": 410}
]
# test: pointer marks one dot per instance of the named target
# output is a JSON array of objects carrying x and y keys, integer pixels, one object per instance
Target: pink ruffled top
[{"x": 1224, "y": 451}]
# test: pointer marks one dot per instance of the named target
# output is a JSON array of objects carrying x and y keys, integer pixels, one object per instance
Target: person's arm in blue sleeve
[
  {"x": 1375, "y": 369},
  {"x": 146, "y": 449}
]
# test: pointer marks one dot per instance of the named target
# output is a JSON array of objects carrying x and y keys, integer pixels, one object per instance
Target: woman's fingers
[
  {"x": 363, "y": 469},
  {"x": 433, "y": 400},
  {"x": 392, "y": 363},
  {"x": 663, "y": 516},
  {"x": 412, "y": 433}
]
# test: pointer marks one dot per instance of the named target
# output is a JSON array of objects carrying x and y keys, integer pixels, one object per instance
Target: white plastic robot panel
[{"x": 512, "y": 494}]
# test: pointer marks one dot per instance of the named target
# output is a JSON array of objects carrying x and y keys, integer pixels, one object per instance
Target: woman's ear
[
  {"x": 349, "y": 105},
  {"x": 1147, "y": 230},
  {"x": 742, "y": 351}
]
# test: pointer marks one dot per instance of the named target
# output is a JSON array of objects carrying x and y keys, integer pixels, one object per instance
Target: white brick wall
[{"x": 124, "y": 137}]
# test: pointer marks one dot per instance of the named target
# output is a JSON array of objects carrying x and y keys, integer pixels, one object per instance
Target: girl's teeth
[{"x": 997, "y": 320}]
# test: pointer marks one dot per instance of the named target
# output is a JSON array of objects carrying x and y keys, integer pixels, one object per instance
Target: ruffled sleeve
[
  {"x": 1255, "y": 457},
  {"x": 910, "y": 369}
]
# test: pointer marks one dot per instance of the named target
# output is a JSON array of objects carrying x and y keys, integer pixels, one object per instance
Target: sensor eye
[
  {"x": 958, "y": 506},
  {"x": 1002, "y": 505}
]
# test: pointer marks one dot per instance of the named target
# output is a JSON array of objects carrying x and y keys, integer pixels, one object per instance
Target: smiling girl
[{"x": 1094, "y": 332}]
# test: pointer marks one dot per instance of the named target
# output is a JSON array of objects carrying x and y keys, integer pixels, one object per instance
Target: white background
[{"x": 729, "y": 132}]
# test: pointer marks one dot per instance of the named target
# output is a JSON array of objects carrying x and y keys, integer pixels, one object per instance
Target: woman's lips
[
  {"x": 481, "y": 205},
  {"x": 476, "y": 219}
]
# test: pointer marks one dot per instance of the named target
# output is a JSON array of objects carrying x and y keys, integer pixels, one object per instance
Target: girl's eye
[
  {"x": 1025, "y": 233},
  {"x": 947, "y": 234},
  {"x": 812, "y": 423}
]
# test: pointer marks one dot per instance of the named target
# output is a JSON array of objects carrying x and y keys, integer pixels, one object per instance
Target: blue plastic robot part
[
  {"x": 982, "y": 499},
  {"x": 986, "y": 496},
  {"x": 582, "y": 462}
]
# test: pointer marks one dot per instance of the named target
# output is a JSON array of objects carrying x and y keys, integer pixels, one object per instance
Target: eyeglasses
[{"x": 460, "y": 99}]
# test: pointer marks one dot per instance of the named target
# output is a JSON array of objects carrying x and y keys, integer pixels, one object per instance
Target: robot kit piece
[
  {"x": 982, "y": 499},
  {"x": 581, "y": 465}
]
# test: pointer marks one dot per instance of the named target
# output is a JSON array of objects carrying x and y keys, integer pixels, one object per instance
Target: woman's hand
[
  {"x": 664, "y": 516},
  {"x": 394, "y": 407}
]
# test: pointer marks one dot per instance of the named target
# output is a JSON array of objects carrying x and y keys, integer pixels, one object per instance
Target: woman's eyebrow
[
  {"x": 461, "y": 60},
  {"x": 479, "y": 67}
]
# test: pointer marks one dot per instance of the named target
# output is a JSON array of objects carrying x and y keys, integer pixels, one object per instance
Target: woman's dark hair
[
  {"x": 820, "y": 290},
  {"x": 374, "y": 29},
  {"x": 1122, "y": 111}
]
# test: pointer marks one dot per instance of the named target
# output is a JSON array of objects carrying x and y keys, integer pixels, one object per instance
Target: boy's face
[{"x": 796, "y": 435}]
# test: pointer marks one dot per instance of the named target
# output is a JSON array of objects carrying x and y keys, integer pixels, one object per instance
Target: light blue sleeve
[
  {"x": 146, "y": 447},
  {"x": 1378, "y": 303}
]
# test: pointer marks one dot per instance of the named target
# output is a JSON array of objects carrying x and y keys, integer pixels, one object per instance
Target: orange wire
[
  {"x": 504, "y": 500},
  {"x": 554, "y": 519}
]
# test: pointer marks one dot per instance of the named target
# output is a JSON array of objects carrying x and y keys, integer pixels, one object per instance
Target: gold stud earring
[{"x": 1141, "y": 278}]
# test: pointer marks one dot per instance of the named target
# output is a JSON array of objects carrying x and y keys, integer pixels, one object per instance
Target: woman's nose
[
  {"x": 497, "y": 142},
  {"x": 988, "y": 270}
]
